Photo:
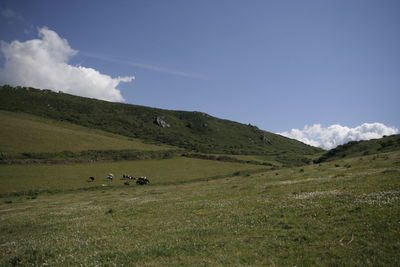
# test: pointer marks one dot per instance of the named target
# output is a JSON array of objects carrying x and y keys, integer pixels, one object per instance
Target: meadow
[
  {"x": 339, "y": 213},
  {"x": 31, "y": 178}
]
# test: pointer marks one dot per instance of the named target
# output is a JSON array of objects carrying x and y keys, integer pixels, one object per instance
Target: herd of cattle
[{"x": 127, "y": 178}]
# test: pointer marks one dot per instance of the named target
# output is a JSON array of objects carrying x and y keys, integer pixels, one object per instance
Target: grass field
[
  {"x": 21, "y": 132},
  {"x": 341, "y": 213},
  {"x": 39, "y": 177}
]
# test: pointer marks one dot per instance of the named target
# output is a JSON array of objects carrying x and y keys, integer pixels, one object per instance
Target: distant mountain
[
  {"x": 193, "y": 131},
  {"x": 362, "y": 148}
]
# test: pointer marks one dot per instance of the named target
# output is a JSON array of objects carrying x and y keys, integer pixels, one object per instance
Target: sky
[{"x": 323, "y": 72}]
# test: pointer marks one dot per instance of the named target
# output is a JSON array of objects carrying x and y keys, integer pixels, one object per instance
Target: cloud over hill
[
  {"x": 43, "y": 63},
  {"x": 335, "y": 135}
]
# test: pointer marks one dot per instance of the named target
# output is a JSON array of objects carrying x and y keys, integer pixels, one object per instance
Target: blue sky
[{"x": 275, "y": 64}]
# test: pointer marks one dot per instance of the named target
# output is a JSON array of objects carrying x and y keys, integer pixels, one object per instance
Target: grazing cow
[
  {"x": 110, "y": 176},
  {"x": 91, "y": 179},
  {"x": 128, "y": 177},
  {"x": 142, "y": 180},
  {"x": 126, "y": 183}
]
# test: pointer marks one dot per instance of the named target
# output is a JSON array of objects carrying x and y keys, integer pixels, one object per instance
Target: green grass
[
  {"x": 37, "y": 177},
  {"x": 341, "y": 213},
  {"x": 21, "y": 132}
]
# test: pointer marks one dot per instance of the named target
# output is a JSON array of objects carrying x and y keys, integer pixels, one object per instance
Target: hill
[
  {"x": 25, "y": 138},
  {"x": 194, "y": 131},
  {"x": 22, "y": 133},
  {"x": 362, "y": 148}
]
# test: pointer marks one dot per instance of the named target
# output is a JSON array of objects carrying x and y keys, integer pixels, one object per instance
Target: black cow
[{"x": 142, "y": 180}]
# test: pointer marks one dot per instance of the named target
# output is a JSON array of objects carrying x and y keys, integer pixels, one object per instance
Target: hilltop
[
  {"x": 193, "y": 131},
  {"x": 362, "y": 148}
]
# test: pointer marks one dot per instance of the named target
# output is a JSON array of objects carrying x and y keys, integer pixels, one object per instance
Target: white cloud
[
  {"x": 43, "y": 63},
  {"x": 335, "y": 135}
]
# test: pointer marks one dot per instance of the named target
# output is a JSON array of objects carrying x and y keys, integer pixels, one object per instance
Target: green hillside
[
  {"x": 194, "y": 131},
  {"x": 21, "y": 133},
  {"x": 362, "y": 148}
]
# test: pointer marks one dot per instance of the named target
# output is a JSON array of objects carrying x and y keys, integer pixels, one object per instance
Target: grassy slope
[
  {"x": 27, "y": 133},
  {"x": 324, "y": 215},
  {"x": 189, "y": 130},
  {"x": 361, "y": 148}
]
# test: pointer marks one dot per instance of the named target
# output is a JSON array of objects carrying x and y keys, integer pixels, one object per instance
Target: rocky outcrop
[
  {"x": 265, "y": 139},
  {"x": 161, "y": 122}
]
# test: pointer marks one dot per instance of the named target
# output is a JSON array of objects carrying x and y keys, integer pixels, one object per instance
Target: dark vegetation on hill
[
  {"x": 224, "y": 158},
  {"x": 193, "y": 131},
  {"x": 362, "y": 148},
  {"x": 66, "y": 157}
]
